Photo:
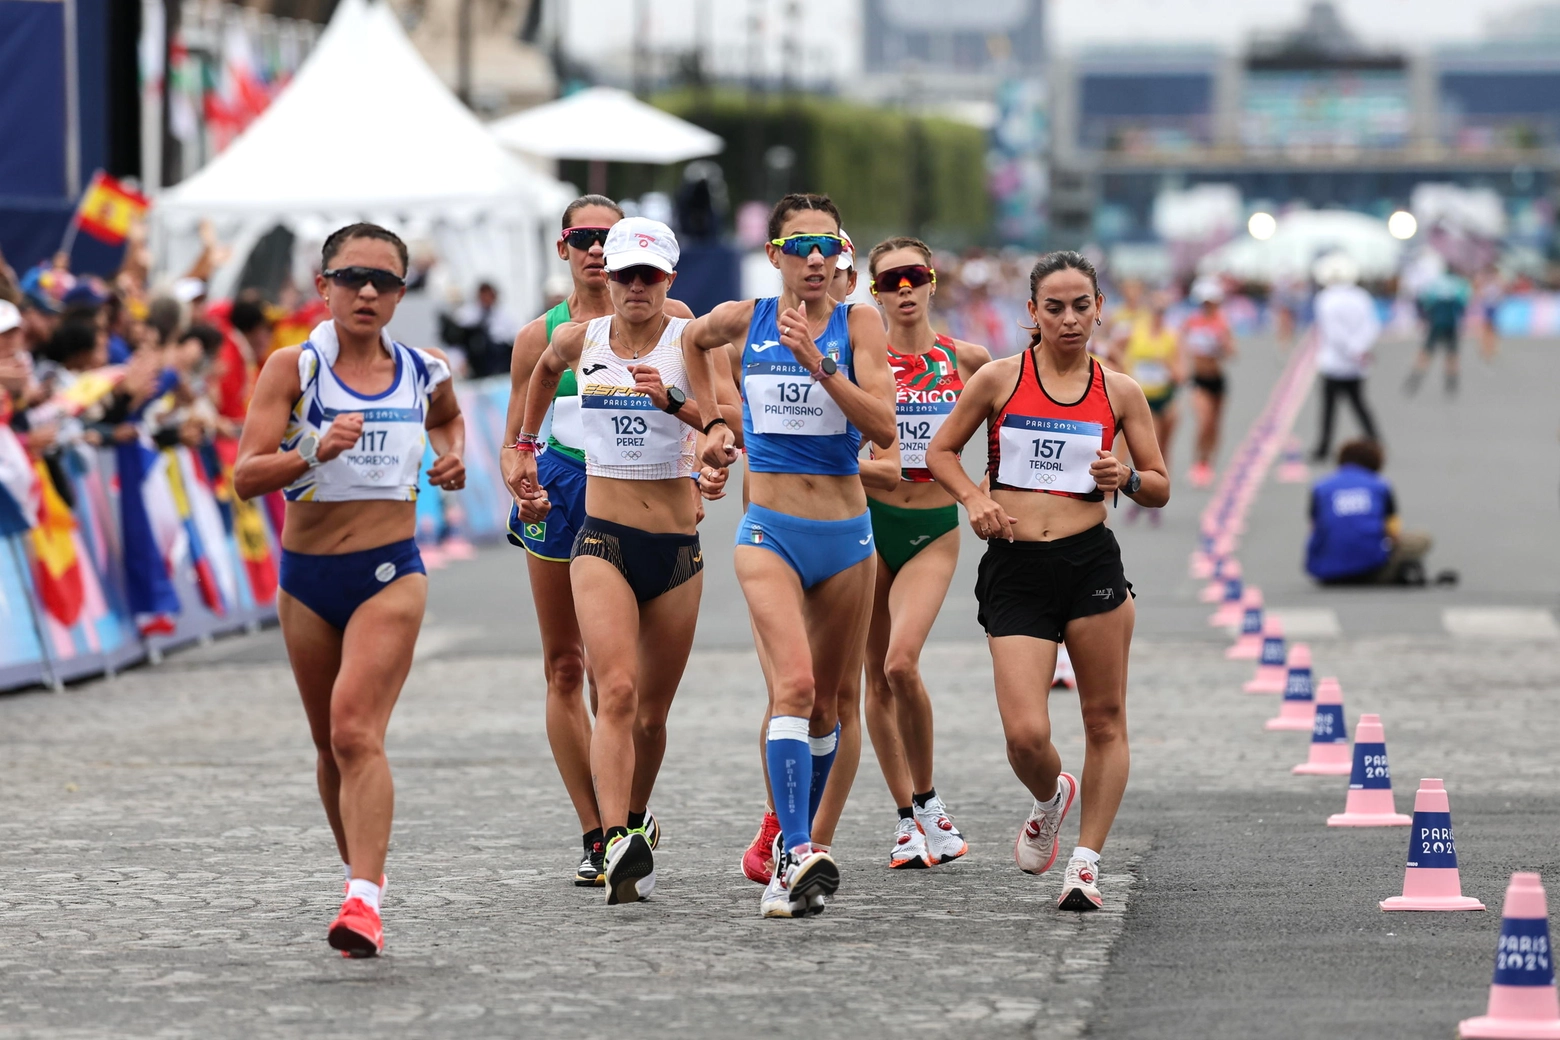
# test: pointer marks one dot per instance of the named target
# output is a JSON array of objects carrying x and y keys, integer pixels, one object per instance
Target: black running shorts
[{"x": 1035, "y": 588}]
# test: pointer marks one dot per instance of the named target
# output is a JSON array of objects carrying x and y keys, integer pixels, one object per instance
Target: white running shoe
[
  {"x": 1080, "y": 891},
  {"x": 630, "y": 869},
  {"x": 943, "y": 839},
  {"x": 800, "y": 881},
  {"x": 1039, "y": 839},
  {"x": 909, "y": 849}
]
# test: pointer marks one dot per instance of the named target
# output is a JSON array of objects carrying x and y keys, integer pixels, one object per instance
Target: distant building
[{"x": 1309, "y": 116}]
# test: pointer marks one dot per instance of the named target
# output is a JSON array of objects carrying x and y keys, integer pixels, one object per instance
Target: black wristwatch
[
  {"x": 675, "y": 399},
  {"x": 1134, "y": 482},
  {"x": 828, "y": 366}
]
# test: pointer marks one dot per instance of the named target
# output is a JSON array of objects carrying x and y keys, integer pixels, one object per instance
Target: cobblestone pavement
[{"x": 165, "y": 871}]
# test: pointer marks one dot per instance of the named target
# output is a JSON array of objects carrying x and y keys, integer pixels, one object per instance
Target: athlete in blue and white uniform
[
  {"x": 546, "y": 528},
  {"x": 340, "y": 424},
  {"x": 637, "y": 559},
  {"x": 815, "y": 379}
]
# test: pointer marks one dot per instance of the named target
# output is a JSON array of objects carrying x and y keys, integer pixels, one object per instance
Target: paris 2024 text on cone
[
  {"x": 1329, "y": 755},
  {"x": 1271, "y": 670},
  {"x": 1297, "y": 711},
  {"x": 1370, "y": 783},
  {"x": 1523, "y": 1004},
  {"x": 1430, "y": 881},
  {"x": 1248, "y": 645},
  {"x": 1235, "y": 611}
]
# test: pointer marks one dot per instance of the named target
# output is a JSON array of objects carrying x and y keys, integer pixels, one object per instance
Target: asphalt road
[{"x": 165, "y": 870}]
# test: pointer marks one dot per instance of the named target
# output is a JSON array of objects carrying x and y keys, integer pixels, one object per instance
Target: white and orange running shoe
[
  {"x": 1039, "y": 839},
  {"x": 909, "y": 851},
  {"x": 943, "y": 840},
  {"x": 357, "y": 930},
  {"x": 1080, "y": 891}
]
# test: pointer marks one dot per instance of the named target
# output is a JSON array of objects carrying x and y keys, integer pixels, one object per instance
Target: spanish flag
[
  {"x": 56, "y": 567},
  {"x": 108, "y": 209}
]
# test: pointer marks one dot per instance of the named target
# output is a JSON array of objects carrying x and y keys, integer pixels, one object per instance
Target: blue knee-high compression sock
[
  {"x": 823, "y": 749},
  {"x": 790, "y": 776}
]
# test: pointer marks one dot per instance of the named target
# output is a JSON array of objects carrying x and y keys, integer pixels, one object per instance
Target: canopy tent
[
  {"x": 1300, "y": 240},
  {"x": 603, "y": 124},
  {"x": 366, "y": 131}
]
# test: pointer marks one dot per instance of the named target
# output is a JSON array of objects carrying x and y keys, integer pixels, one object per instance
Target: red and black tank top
[
  {"x": 1037, "y": 443},
  {"x": 925, "y": 389}
]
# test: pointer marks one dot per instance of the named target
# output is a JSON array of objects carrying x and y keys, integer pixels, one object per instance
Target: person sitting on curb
[{"x": 1356, "y": 534}]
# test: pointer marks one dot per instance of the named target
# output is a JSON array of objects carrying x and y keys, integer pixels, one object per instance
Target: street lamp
[
  {"x": 1262, "y": 226},
  {"x": 1402, "y": 225}
]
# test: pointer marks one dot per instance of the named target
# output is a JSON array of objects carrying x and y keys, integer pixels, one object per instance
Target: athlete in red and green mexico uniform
[{"x": 916, "y": 530}]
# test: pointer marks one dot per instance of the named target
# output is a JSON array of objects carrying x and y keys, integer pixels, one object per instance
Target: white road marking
[
  {"x": 1500, "y": 622},
  {"x": 1309, "y": 622}
]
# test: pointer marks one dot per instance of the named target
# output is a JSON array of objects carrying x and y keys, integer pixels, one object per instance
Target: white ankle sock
[
  {"x": 1092, "y": 857},
  {"x": 364, "y": 890},
  {"x": 1054, "y": 803},
  {"x": 346, "y": 871}
]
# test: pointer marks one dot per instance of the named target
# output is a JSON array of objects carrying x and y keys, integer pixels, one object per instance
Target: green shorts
[
  {"x": 1160, "y": 401},
  {"x": 901, "y": 533}
]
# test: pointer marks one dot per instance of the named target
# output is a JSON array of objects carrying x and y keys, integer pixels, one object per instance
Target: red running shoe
[
  {"x": 357, "y": 931},
  {"x": 758, "y": 862}
]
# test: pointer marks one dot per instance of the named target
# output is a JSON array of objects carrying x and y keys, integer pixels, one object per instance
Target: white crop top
[
  {"x": 625, "y": 435},
  {"x": 385, "y": 461}
]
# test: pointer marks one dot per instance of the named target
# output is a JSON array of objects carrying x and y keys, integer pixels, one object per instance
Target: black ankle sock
[
  {"x": 592, "y": 838},
  {"x": 615, "y": 832},
  {"x": 636, "y": 820},
  {"x": 906, "y": 813},
  {"x": 920, "y": 800}
]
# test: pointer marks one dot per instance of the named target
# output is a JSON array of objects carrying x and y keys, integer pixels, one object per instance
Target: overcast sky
[{"x": 832, "y": 43}]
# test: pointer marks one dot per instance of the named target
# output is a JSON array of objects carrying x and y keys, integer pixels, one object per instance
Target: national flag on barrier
[
  {"x": 149, "y": 587},
  {"x": 56, "y": 565},
  {"x": 19, "y": 490},
  {"x": 197, "y": 535},
  {"x": 108, "y": 210}
]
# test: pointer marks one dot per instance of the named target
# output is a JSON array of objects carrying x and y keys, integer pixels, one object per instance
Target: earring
[{"x": 1098, "y": 321}]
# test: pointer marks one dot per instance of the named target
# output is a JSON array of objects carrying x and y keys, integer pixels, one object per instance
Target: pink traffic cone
[
  {"x": 1370, "y": 783},
  {"x": 1248, "y": 645},
  {"x": 1226, "y": 584},
  {"x": 1298, "y": 709},
  {"x": 1523, "y": 1003},
  {"x": 1430, "y": 881},
  {"x": 1271, "y": 672},
  {"x": 1239, "y": 612},
  {"x": 1292, "y": 468},
  {"x": 1329, "y": 755}
]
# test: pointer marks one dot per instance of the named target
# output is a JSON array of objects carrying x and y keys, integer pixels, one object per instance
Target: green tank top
[{"x": 568, "y": 386}]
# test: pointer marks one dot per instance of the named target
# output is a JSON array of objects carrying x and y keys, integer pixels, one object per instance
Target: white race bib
[
  {"x": 628, "y": 430},
  {"x": 390, "y": 447},
  {"x": 566, "y": 429},
  {"x": 1153, "y": 374},
  {"x": 1049, "y": 454},
  {"x": 918, "y": 424},
  {"x": 783, "y": 398}
]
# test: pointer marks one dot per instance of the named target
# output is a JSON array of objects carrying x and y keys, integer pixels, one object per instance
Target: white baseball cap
[
  {"x": 639, "y": 240},
  {"x": 847, "y": 256},
  {"x": 10, "y": 317}
]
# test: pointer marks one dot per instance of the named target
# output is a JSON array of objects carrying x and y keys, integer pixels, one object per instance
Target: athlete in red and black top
[{"x": 1052, "y": 570}]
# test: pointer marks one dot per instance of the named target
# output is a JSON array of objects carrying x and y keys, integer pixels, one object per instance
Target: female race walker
[
  {"x": 636, "y": 560},
  {"x": 1151, "y": 354},
  {"x": 340, "y": 422},
  {"x": 546, "y": 528},
  {"x": 1206, "y": 337},
  {"x": 915, "y": 527},
  {"x": 815, "y": 379},
  {"x": 1052, "y": 568}
]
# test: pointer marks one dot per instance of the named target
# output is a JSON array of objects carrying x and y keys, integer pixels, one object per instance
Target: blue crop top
[{"x": 798, "y": 427}]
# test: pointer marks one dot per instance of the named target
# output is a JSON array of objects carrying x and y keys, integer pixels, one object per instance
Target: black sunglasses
[
  {"x": 914, "y": 275},
  {"x": 639, "y": 272},
  {"x": 585, "y": 237},
  {"x": 357, "y": 277}
]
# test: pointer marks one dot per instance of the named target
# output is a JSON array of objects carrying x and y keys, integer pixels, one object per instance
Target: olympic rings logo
[
  {"x": 374, "y": 475},
  {"x": 630, "y": 454},
  {"x": 1047, "y": 478},
  {"x": 794, "y": 424}
]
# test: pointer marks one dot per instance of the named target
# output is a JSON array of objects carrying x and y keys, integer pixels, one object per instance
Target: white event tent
[
  {"x": 603, "y": 124},
  {"x": 1300, "y": 240},
  {"x": 367, "y": 131}
]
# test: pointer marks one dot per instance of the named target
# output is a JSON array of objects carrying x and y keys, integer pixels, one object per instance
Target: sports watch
[
  {"x": 675, "y": 399},
  {"x": 827, "y": 367},
  {"x": 1134, "y": 482},
  {"x": 309, "y": 448}
]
